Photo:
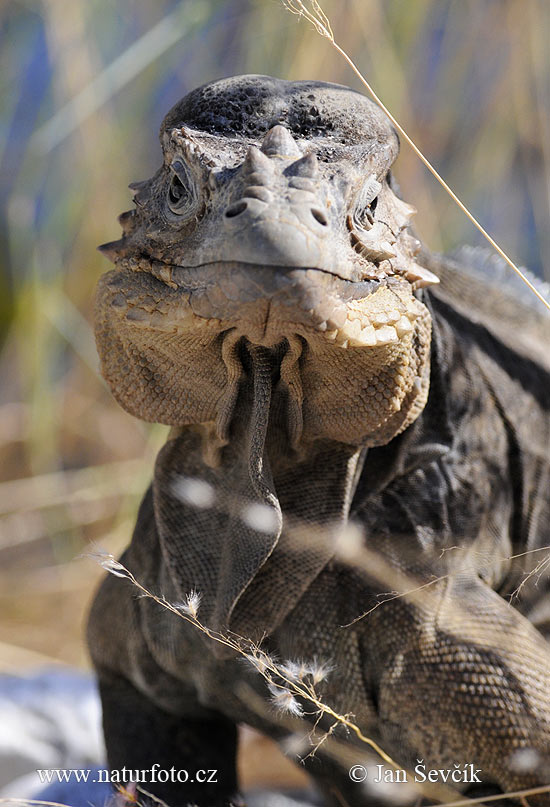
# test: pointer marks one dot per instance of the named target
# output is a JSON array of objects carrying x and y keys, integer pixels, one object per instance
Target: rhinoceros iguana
[{"x": 270, "y": 303}]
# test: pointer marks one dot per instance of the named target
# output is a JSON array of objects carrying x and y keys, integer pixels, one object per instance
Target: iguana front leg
[
  {"x": 157, "y": 733},
  {"x": 176, "y": 759},
  {"x": 463, "y": 678}
]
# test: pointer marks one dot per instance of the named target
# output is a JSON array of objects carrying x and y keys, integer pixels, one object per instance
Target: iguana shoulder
[{"x": 481, "y": 286}]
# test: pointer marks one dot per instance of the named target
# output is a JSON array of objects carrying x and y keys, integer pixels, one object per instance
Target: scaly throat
[
  {"x": 267, "y": 525},
  {"x": 265, "y": 383}
]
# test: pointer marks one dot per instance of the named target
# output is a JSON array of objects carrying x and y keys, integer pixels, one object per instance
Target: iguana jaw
[
  {"x": 171, "y": 349},
  {"x": 268, "y": 304}
]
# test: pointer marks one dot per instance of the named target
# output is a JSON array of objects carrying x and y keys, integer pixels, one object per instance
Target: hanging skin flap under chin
[{"x": 248, "y": 538}]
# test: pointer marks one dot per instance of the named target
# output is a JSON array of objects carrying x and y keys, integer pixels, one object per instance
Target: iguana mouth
[
  {"x": 355, "y": 363},
  {"x": 266, "y": 304}
]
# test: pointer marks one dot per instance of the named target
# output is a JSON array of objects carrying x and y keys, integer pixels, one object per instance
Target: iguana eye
[
  {"x": 176, "y": 194},
  {"x": 365, "y": 204},
  {"x": 369, "y": 210},
  {"x": 180, "y": 197}
]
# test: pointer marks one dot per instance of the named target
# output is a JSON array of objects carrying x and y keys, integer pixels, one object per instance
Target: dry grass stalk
[
  {"x": 9, "y": 802},
  {"x": 317, "y": 17},
  {"x": 284, "y": 680},
  {"x": 292, "y": 680}
]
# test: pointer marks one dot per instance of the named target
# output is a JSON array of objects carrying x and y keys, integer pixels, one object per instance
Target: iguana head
[{"x": 272, "y": 222}]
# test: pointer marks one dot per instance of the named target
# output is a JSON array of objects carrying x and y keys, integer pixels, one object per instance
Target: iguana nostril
[
  {"x": 319, "y": 216},
  {"x": 235, "y": 209}
]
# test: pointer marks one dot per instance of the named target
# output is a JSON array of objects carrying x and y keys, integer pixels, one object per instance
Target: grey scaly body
[{"x": 270, "y": 303}]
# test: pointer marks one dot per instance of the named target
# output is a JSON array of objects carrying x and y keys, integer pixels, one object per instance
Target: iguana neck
[{"x": 260, "y": 522}]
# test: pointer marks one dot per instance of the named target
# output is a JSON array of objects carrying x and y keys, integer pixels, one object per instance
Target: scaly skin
[{"x": 268, "y": 302}]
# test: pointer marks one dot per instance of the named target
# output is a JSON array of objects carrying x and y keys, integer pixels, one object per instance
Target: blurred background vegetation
[{"x": 85, "y": 84}]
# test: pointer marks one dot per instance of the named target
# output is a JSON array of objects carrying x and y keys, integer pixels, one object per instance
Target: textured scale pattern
[{"x": 370, "y": 456}]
